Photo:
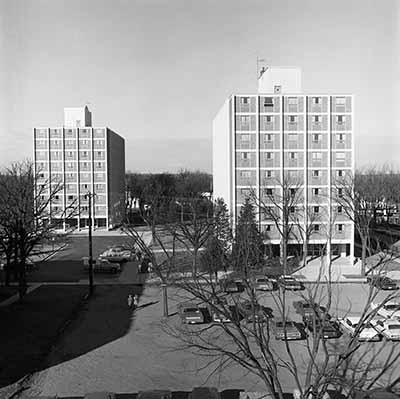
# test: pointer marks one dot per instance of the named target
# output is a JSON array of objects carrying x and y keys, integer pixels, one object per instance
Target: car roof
[
  {"x": 354, "y": 319},
  {"x": 189, "y": 305}
]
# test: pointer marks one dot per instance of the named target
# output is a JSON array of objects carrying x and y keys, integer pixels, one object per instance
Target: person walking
[
  {"x": 135, "y": 301},
  {"x": 130, "y": 300}
]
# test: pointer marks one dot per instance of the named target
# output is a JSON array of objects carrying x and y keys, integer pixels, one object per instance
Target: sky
[{"x": 157, "y": 71}]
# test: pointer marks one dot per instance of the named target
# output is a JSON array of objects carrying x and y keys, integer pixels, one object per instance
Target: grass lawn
[{"x": 30, "y": 329}]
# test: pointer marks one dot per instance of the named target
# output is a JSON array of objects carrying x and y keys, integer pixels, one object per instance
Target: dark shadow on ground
[{"x": 57, "y": 323}]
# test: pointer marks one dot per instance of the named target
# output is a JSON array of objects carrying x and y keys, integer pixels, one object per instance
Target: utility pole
[{"x": 91, "y": 287}]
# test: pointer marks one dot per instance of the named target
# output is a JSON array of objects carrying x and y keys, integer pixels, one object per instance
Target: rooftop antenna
[{"x": 260, "y": 72}]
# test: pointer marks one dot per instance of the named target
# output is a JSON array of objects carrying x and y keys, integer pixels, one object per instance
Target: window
[
  {"x": 99, "y": 164},
  {"x": 277, "y": 89},
  {"x": 315, "y": 138},
  {"x": 292, "y": 119},
  {"x": 340, "y": 138},
  {"x": 85, "y": 186},
  {"x": 340, "y": 119},
  {"x": 244, "y": 100},
  {"x": 339, "y": 173},
  {"x": 269, "y": 192},
  {"x": 269, "y": 155},
  {"x": 245, "y": 137},
  {"x": 267, "y": 227},
  {"x": 268, "y": 174},
  {"x": 315, "y": 173},
  {"x": 245, "y": 173},
  {"x": 316, "y": 156},
  {"x": 85, "y": 153},
  {"x": 292, "y": 209},
  {"x": 244, "y": 155},
  {"x": 70, "y": 197},
  {"x": 84, "y": 208},
  {"x": 339, "y": 209},
  {"x": 340, "y": 156},
  {"x": 339, "y": 228},
  {"x": 244, "y": 191},
  {"x": 316, "y": 100},
  {"x": 340, "y": 192},
  {"x": 70, "y": 154},
  {"x": 245, "y": 120},
  {"x": 293, "y": 192},
  {"x": 269, "y": 138},
  {"x": 292, "y": 100},
  {"x": 316, "y": 118},
  {"x": 56, "y": 197},
  {"x": 316, "y": 209},
  {"x": 315, "y": 191},
  {"x": 268, "y": 119},
  {"x": 292, "y": 136},
  {"x": 78, "y": 123},
  {"x": 341, "y": 101},
  {"x": 268, "y": 102},
  {"x": 293, "y": 155},
  {"x": 316, "y": 227}
]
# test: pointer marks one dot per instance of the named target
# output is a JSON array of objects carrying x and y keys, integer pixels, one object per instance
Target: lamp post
[
  {"x": 89, "y": 196},
  {"x": 181, "y": 205}
]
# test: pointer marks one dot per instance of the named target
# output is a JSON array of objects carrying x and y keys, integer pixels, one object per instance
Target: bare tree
[
  {"x": 26, "y": 218},
  {"x": 281, "y": 201}
]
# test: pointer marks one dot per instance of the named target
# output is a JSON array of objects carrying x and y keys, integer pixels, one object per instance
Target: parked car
[
  {"x": 118, "y": 253},
  {"x": 262, "y": 283},
  {"x": 190, "y": 313},
  {"x": 286, "y": 330},
  {"x": 290, "y": 283},
  {"x": 155, "y": 394},
  {"x": 104, "y": 266},
  {"x": 218, "y": 309},
  {"x": 389, "y": 309},
  {"x": 230, "y": 285},
  {"x": 251, "y": 311},
  {"x": 382, "y": 282},
  {"x": 310, "y": 311},
  {"x": 204, "y": 393},
  {"x": 327, "y": 328},
  {"x": 388, "y": 328},
  {"x": 365, "y": 332}
]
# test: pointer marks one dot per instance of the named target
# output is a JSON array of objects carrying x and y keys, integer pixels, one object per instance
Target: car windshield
[
  {"x": 394, "y": 306},
  {"x": 394, "y": 327},
  {"x": 287, "y": 324},
  {"x": 262, "y": 280},
  {"x": 191, "y": 310}
]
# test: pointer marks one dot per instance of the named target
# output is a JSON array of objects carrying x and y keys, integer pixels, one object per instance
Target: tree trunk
[
  {"x": 22, "y": 286},
  {"x": 363, "y": 255},
  {"x": 194, "y": 263}
]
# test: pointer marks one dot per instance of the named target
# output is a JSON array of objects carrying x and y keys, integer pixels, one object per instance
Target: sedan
[
  {"x": 218, "y": 309},
  {"x": 251, "y": 311},
  {"x": 389, "y": 309},
  {"x": 190, "y": 313},
  {"x": 327, "y": 328},
  {"x": 290, "y": 283},
  {"x": 286, "y": 330},
  {"x": 389, "y": 328},
  {"x": 365, "y": 332},
  {"x": 382, "y": 282},
  {"x": 262, "y": 283}
]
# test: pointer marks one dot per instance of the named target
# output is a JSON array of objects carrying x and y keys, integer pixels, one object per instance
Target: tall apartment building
[
  {"x": 263, "y": 141},
  {"x": 84, "y": 159}
]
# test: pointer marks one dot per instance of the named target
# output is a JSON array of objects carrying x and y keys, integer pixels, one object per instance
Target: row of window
[
  {"x": 293, "y": 137},
  {"x": 269, "y": 101},
  {"x": 315, "y": 156},
  {"x": 245, "y": 119},
  {"x": 316, "y": 191},
  {"x": 315, "y": 227},
  {"x": 269, "y": 173}
]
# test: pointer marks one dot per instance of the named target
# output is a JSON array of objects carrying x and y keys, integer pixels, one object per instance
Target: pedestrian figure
[
  {"x": 130, "y": 300},
  {"x": 139, "y": 255},
  {"x": 135, "y": 301},
  {"x": 149, "y": 267}
]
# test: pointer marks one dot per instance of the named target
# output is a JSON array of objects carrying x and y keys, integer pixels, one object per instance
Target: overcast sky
[{"x": 157, "y": 71}]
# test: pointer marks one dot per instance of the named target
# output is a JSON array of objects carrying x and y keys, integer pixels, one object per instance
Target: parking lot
[{"x": 148, "y": 357}]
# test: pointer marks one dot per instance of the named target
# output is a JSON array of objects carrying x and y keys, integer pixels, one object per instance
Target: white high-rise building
[
  {"x": 259, "y": 139},
  {"x": 84, "y": 159}
]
